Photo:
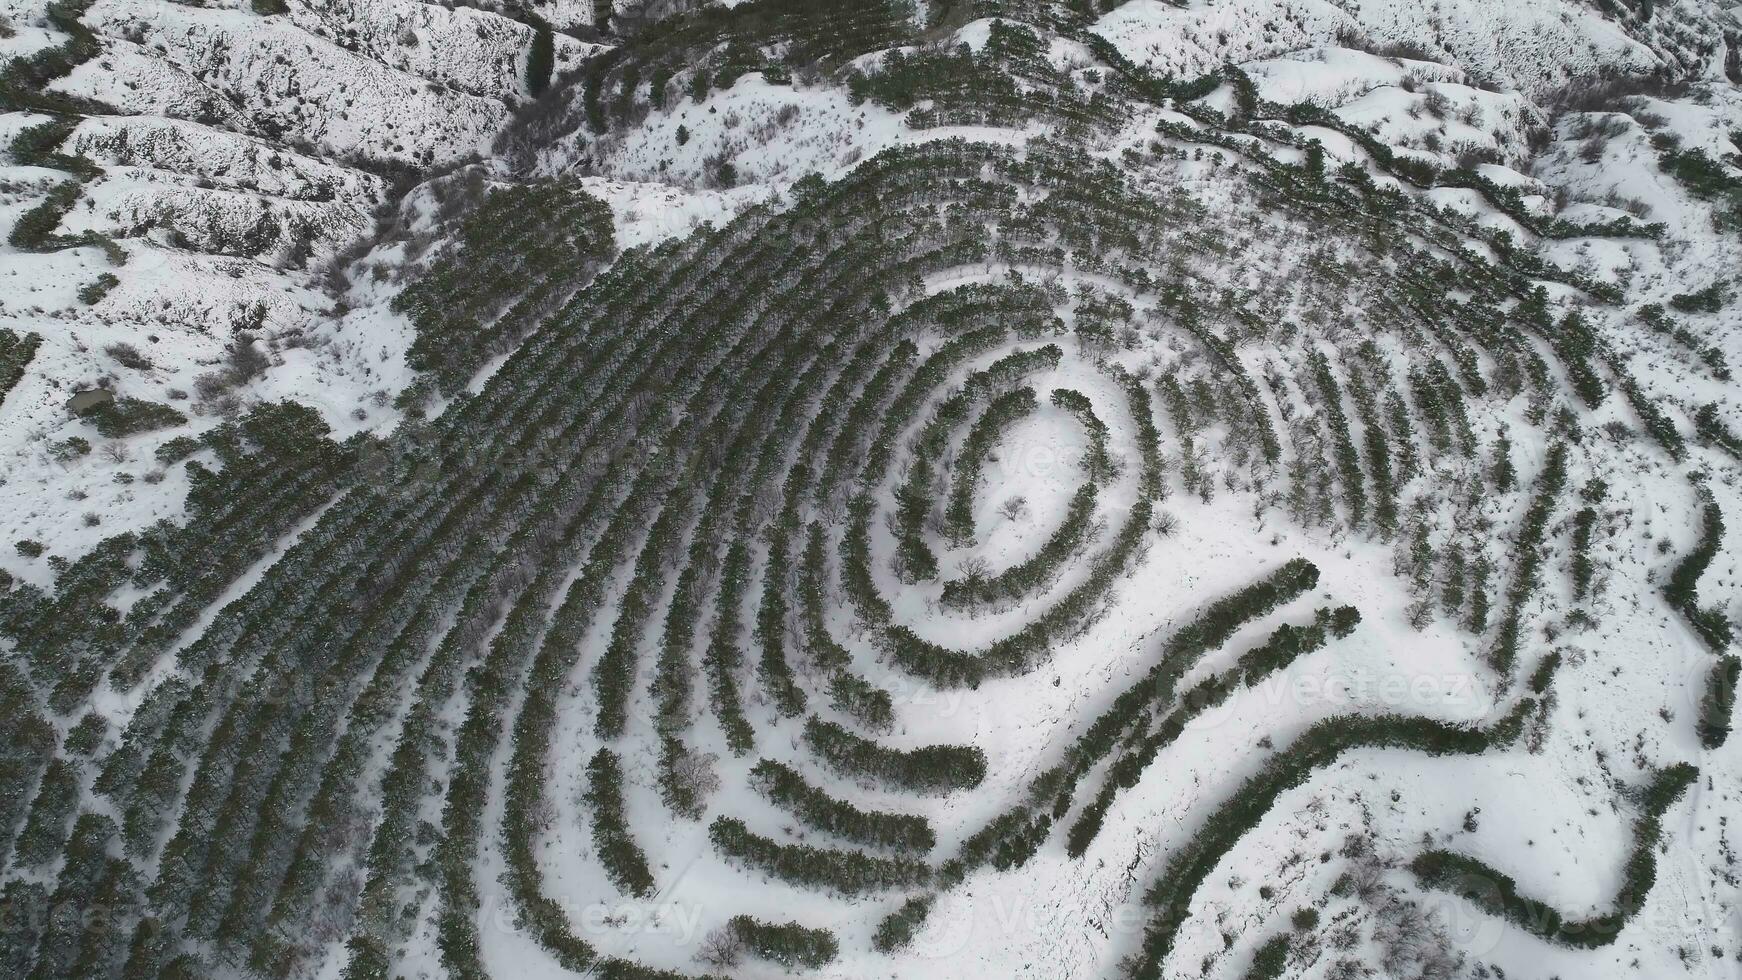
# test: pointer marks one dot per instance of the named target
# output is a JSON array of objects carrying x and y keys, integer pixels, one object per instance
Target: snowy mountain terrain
[{"x": 958, "y": 488}]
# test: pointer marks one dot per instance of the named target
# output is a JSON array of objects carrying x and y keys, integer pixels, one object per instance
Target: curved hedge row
[
  {"x": 849, "y": 693},
  {"x": 1682, "y": 589},
  {"x": 1030, "y": 574},
  {"x": 623, "y": 859},
  {"x": 1498, "y": 894},
  {"x": 928, "y": 769},
  {"x": 1318, "y": 747},
  {"x": 787, "y": 789},
  {"x": 1281, "y": 649},
  {"x": 1004, "y": 411},
  {"x": 844, "y": 871},
  {"x": 724, "y": 656},
  {"x": 914, "y": 559},
  {"x": 1097, "y": 461},
  {"x": 1348, "y": 460}
]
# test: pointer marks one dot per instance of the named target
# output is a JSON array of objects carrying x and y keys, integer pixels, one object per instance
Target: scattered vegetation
[
  {"x": 16, "y": 352},
  {"x": 122, "y": 416}
]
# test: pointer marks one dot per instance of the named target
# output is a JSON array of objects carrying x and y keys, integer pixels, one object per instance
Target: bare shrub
[
  {"x": 721, "y": 948},
  {"x": 128, "y": 356},
  {"x": 973, "y": 569}
]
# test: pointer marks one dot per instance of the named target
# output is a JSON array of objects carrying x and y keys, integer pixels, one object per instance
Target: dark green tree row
[
  {"x": 45, "y": 829},
  {"x": 1527, "y": 565},
  {"x": 898, "y": 928},
  {"x": 932, "y": 769},
  {"x": 1271, "y": 959},
  {"x": 1369, "y": 380},
  {"x": 1324, "y": 743},
  {"x": 849, "y": 693},
  {"x": 34, "y": 231},
  {"x": 1282, "y": 648},
  {"x": 122, "y": 417},
  {"x": 1097, "y": 460},
  {"x": 16, "y": 351},
  {"x": 1007, "y": 841},
  {"x": 622, "y": 857},
  {"x": 787, "y": 943},
  {"x": 1348, "y": 460},
  {"x": 1719, "y": 701},
  {"x": 983, "y": 436},
  {"x": 854, "y": 391},
  {"x": 1711, "y": 428},
  {"x": 1440, "y": 401},
  {"x": 748, "y": 453},
  {"x": 1584, "y": 537},
  {"x": 848, "y": 872},
  {"x": 1682, "y": 589},
  {"x": 1574, "y": 342},
  {"x": 29, "y": 741},
  {"x": 788, "y": 789},
  {"x": 1657, "y": 424},
  {"x": 1497, "y": 893}
]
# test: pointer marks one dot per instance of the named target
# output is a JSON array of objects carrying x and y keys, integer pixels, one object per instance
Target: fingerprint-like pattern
[{"x": 708, "y": 524}]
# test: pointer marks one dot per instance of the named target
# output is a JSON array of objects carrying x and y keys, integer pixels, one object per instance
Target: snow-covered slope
[{"x": 974, "y": 489}]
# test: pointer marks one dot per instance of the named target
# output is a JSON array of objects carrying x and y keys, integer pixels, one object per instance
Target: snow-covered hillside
[{"x": 969, "y": 488}]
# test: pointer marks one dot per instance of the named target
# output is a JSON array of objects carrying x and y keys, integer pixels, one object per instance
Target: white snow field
[{"x": 967, "y": 488}]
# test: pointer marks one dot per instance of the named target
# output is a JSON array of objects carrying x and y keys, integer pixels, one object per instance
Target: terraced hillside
[{"x": 1101, "y": 523}]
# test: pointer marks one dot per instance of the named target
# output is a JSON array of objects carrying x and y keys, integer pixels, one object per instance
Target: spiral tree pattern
[{"x": 714, "y": 598}]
